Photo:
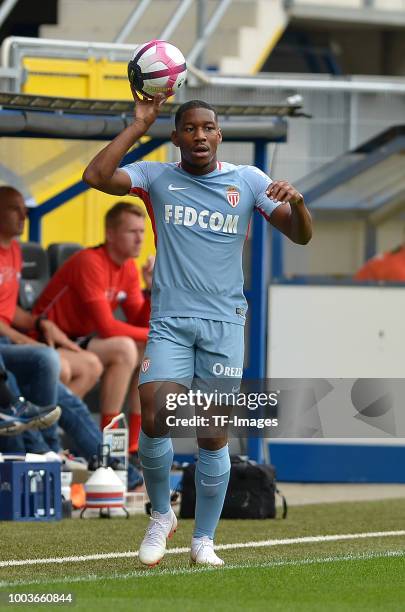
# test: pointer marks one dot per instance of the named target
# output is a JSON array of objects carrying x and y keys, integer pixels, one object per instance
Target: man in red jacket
[
  {"x": 81, "y": 299},
  {"x": 388, "y": 266}
]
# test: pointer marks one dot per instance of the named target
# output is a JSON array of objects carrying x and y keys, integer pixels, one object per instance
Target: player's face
[
  {"x": 126, "y": 238},
  {"x": 13, "y": 213},
  {"x": 198, "y": 137}
]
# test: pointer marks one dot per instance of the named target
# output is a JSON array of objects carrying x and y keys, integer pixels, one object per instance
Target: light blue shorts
[{"x": 186, "y": 349}]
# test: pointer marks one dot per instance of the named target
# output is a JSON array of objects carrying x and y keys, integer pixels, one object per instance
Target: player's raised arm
[
  {"x": 291, "y": 217},
  {"x": 103, "y": 171}
]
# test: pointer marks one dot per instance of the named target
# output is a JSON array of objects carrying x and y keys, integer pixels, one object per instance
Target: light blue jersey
[{"x": 200, "y": 225}]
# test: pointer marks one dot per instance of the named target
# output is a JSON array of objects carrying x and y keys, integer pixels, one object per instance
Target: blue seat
[
  {"x": 34, "y": 274},
  {"x": 59, "y": 252}
]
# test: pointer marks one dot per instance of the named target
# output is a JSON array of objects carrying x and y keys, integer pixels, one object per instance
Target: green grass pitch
[{"x": 362, "y": 573}]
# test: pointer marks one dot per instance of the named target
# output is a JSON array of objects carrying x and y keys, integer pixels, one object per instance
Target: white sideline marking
[
  {"x": 186, "y": 549},
  {"x": 147, "y": 573}
]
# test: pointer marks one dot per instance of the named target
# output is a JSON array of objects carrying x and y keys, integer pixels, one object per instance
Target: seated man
[
  {"x": 38, "y": 379},
  {"x": 17, "y": 414},
  {"x": 81, "y": 298},
  {"x": 79, "y": 369},
  {"x": 389, "y": 266}
]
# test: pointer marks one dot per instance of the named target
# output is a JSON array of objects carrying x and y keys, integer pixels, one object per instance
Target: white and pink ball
[{"x": 157, "y": 67}]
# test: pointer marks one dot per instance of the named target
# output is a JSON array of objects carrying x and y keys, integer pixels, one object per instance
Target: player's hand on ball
[
  {"x": 282, "y": 191},
  {"x": 146, "y": 109}
]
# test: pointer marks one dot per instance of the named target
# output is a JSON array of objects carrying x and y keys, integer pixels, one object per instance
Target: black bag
[{"x": 251, "y": 491}]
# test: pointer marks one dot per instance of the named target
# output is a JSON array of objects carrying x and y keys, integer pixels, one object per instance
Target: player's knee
[
  {"x": 212, "y": 444},
  {"x": 149, "y": 425},
  {"x": 152, "y": 424}
]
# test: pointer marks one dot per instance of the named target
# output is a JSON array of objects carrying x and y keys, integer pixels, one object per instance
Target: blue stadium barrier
[{"x": 331, "y": 462}]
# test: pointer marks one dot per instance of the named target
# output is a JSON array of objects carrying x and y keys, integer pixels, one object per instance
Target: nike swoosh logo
[
  {"x": 207, "y": 484},
  {"x": 173, "y": 188}
]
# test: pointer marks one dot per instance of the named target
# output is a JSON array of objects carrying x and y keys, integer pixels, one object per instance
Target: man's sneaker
[
  {"x": 202, "y": 552},
  {"x": 23, "y": 415},
  {"x": 161, "y": 528}
]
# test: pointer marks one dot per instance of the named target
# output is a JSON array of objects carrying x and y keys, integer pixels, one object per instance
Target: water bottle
[{"x": 37, "y": 493}]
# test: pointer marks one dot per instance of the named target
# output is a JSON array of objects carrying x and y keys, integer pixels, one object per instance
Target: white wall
[
  {"x": 337, "y": 248},
  {"x": 333, "y": 332},
  {"x": 390, "y": 234}
]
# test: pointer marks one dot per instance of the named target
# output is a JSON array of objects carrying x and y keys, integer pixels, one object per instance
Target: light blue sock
[
  {"x": 156, "y": 455},
  {"x": 211, "y": 481}
]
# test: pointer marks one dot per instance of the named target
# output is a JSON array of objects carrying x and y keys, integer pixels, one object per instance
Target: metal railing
[
  {"x": 135, "y": 16},
  {"x": 15, "y": 48},
  {"x": 204, "y": 30},
  {"x": 310, "y": 83},
  {"x": 356, "y": 4},
  {"x": 5, "y": 9},
  {"x": 208, "y": 30},
  {"x": 346, "y": 110}
]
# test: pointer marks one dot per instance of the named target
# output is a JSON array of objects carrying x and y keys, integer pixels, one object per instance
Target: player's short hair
[
  {"x": 113, "y": 215},
  {"x": 193, "y": 104}
]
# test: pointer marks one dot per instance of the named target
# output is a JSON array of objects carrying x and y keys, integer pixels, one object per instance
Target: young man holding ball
[{"x": 200, "y": 210}]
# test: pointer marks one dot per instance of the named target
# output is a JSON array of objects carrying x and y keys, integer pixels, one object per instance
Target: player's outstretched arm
[
  {"x": 292, "y": 217},
  {"x": 103, "y": 171}
]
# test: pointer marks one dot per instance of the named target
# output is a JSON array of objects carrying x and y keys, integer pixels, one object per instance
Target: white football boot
[
  {"x": 161, "y": 528},
  {"x": 202, "y": 552}
]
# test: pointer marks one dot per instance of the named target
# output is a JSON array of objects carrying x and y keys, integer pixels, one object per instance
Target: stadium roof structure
[
  {"x": 77, "y": 125},
  {"x": 368, "y": 182},
  {"x": 23, "y": 115}
]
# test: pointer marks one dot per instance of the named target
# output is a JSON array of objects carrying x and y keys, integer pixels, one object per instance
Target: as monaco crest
[
  {"x": 145, "y": 364},
  {"x": 232, "y": 195}
]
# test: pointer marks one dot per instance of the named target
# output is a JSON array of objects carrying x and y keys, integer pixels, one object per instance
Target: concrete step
[
  {"x": 239, "y": 42},
  {"x": 256, "y": 43}
]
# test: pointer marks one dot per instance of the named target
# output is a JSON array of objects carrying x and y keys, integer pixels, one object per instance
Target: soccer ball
[{"x": 157, "y": 67}]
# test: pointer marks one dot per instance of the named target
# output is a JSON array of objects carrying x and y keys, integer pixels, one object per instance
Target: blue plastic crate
[{"x": 30, "y": 491}]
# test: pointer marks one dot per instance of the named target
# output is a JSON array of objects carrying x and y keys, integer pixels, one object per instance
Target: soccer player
[{"x": 200, "y": 210}]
